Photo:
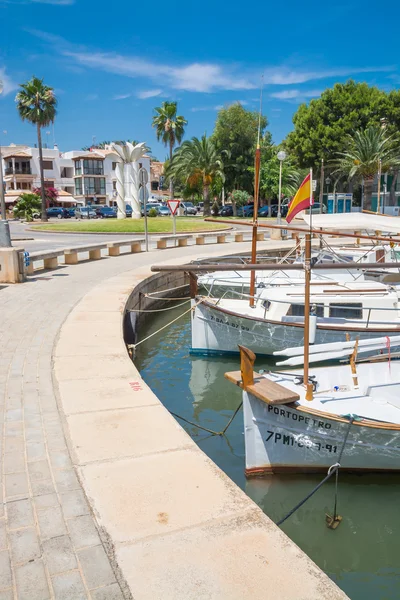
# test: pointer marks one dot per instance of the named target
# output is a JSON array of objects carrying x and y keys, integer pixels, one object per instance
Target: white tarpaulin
[{"x": 354, "y": 222}]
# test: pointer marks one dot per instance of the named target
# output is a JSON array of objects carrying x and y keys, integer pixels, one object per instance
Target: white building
[{"x": 80, "y": 177}]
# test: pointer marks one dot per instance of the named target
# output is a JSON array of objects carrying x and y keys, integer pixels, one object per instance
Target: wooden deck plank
[{"x": 266, "y": 390}]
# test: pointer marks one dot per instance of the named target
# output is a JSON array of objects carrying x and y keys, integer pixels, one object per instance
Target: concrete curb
[
  {"x": 199, "y": 231},
  {"x": 177, "y": 526}
]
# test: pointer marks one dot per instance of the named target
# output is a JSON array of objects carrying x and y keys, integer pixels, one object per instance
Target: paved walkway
[{"x": 49, "y": 545}]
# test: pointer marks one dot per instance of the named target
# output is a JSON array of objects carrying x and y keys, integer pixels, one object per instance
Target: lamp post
[
  {"x": 2, "y": 198},
  {"x": 281, "y": 158}
]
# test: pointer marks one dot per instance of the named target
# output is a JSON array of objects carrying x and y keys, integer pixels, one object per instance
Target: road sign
[
  {"x": 143, "y": 176},
  {"x": 173, "y": 206},
  {"x": 143, "y": 194},
  {"x": 314, "y": 185}
]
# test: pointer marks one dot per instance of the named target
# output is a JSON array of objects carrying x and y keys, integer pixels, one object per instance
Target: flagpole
[
  {"x": 257, "y": 162},
  {"x": 307, "y": 291}
]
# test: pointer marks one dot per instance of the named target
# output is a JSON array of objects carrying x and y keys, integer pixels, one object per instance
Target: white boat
[
  {"x": 286, "y": 433},
  {"x": 217, "y": 284},
  {"x": 363, "y": 309}
]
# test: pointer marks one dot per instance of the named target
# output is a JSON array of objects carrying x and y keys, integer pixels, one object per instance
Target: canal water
[{"x": 362, "y": 556}]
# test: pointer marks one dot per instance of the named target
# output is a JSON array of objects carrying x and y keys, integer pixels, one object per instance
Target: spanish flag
[{"x": 302, "y": 200}]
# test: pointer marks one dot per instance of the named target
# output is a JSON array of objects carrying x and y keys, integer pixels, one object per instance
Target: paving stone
[
  {"x": 14, "y": 444},
  {"x": 74, "y": 504},
  {"x": 24, "y": 545},
  {"x": 66, "y": 480},
  {"x": 45, "y": 501},
  {"x": 14, "y": 462},
  {"x": 7, "y": 594},
  {"x": 69, "y": 586},
  {"x": 51, "y": 522},
  {"x": 3, "y": 536},
  {"x": 35, "y": 451},
  {"x": 42, "y": 487},
  {"x": 96, "y": 567},
  {"x": 5, "y": 570},
  {"x": 59, "y": 555},
  {"x": 60, "y": 460},
  {"x": 19, "y": 514},
  {"x": 14, "y": 415},
  {"x": 39, "y": 470},
  {"x": 111, "y": 592},
  {"x": 31, "y": 581},
  {"x": 83, "y": 531},
  {"x": 16, "y": 484}
]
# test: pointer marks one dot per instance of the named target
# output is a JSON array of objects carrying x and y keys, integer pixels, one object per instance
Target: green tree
[
  {"x": 236, "y": 131},
  {"x": 198, "y": 161},
  {"x": 170, "y": 128},
  {"x": 27, "y": 205},
  {"x": 322, "y": 126},
  {"x": 37, "y": 104},
  {"x": 292, "y": 176},
  {"x": 239, "y": 198},
  {"x": 365, "y": 149}
]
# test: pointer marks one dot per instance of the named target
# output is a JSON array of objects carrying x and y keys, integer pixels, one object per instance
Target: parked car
[
  {"x": 105, "y": 212},
  {"x": 316, "y": 209},
  {"x": 274, "y": 210},
  {"x": 200, "y": 207},
  {"x": 85, "y": 212},
  {"x": 71, "y": 211},
  {"x": 263, "y": 211},
  {"x": 59, "y": 213},
  {"x": 189, "y": 208},
  {"x": 164, "y": 211},
  {"x": 245, "y": 211},
  {"x": 226, "y": 211}
]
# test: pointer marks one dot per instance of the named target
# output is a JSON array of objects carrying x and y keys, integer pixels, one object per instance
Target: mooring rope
[
  {"x": 332, "y": 469},
  {"x": 156, "y": 310},
  {"x": 134, "y": 346}
]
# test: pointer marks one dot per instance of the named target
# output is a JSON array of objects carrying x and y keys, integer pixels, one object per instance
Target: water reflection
[{"x": 362, "y": 555}]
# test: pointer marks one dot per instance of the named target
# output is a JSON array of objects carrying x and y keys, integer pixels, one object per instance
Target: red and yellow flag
[{"x": 302, "y": 200}]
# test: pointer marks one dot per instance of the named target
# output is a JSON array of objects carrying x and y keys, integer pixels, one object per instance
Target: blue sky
[{"x": 112, "y": 63}]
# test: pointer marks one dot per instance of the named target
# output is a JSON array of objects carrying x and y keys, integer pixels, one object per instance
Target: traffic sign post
[
  {"x": 143, "y": 195},
  {"x": 173, "y": 206}
]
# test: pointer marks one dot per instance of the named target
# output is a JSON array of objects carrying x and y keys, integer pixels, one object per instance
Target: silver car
[{"x": 85, "y": 212}]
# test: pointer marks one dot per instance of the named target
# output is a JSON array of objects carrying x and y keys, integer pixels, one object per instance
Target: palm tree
[
  {"x": 37, "y": 104},
  {"x": 170, "y": 128},
  {"x": 198, "y": 161},
  {"x": 367, "y": 150}
]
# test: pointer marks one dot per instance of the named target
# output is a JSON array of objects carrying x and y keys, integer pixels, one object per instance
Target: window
[
  {"x": 114, "y": 185},
  {"x": 346, "y": 311},
  {"x": 78, "y": 167},
  {"x": 140, "y": 165},
  {"x": 93, "y": 167},
  {"x": 78, "y": 186},
  {"x": 48, "y": 164},
  {"x": 297, "y": 310},
  {"x": 114, "y": 166},
  {"x": 49, "y": 184},
  {"x": 95, "y": 186}
]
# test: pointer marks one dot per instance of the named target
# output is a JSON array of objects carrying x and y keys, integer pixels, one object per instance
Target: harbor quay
[{"x": 105, "y": 496}]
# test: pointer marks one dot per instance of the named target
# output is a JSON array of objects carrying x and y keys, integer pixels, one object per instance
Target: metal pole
[
  {"x": 321, "y": 188},
  {"x": 279, "y": 193},
  {"x": 307, "y": 276},
  {"x": 2, "y": 198},
  {"x": 379, "y": 187},
  {"x": 146, "y": 233}
]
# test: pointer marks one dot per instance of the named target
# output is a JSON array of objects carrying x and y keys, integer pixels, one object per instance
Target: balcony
[
  {"x": 18, "y": 171},
  {"x": 93, "y": 171}
]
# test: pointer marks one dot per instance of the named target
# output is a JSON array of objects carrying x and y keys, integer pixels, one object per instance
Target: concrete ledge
[{"x": 179, "y": 528}]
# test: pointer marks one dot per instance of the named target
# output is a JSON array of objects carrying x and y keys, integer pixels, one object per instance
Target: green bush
[
  {"x": 27, "y": 205},
  {"x": 153, "y": 212}
]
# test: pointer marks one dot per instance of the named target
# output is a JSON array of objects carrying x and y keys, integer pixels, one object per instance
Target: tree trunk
[
  {"x": 392, "y": 196},
  {"x": 368, "y": 185},
  {"x": 42, "y": 188},
  {"x": 171, "y": 181},
  {"x": 206, "y": 198}
]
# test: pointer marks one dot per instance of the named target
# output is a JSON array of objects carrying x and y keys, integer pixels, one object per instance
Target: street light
[
  {"x": 327, "y": 181},
  {"x": 2, "y": 198},
  {"x": 281, "y": 157}
]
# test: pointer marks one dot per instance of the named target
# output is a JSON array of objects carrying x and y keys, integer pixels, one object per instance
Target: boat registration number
[
  {"x": 290, "y": 440},
  {"x": 234, "y": 325}
]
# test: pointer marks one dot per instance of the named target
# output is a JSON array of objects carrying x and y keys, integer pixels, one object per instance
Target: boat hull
[
  {"x": 290, "y": 439},
  {"x": 218, "y": 332}
]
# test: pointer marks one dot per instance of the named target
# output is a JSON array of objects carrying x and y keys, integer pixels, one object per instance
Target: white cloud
[
  {"x": 143, "y": 95},
  {"x": 55, "y": 2},
  {"x": 290, "y": 76},
  {"x": 8, "y": 84},
  {"x": 296, "y": 94},
  {"x": 122, "y": 96},
  {"x": 206, "y": 108},
  {"x": 91, "y": 97}
]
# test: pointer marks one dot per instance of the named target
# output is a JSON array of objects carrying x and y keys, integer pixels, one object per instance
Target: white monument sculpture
[{"x": 127, "y": 173}]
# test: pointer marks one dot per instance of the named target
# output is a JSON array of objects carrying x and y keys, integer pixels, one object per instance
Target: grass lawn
[{"x": 155, "y": 225}]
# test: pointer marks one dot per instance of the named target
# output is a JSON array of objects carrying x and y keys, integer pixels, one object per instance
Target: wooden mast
[
  {"x": 307, "y": 277},
  {"x": 257, "y": 162}
]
